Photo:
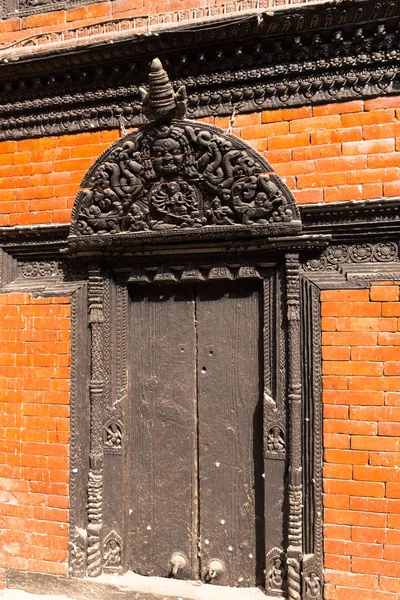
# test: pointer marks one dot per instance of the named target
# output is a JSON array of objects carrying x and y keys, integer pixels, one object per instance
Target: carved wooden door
[{"x": 195, "y": 451}]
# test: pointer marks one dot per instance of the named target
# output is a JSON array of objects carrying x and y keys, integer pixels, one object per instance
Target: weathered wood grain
[
  {"x": 163, "y": 503},
  {"x": 229, "y": 357}
]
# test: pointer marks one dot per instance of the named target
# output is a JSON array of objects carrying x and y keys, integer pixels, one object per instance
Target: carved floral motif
[{"x": 336, "y": 256}]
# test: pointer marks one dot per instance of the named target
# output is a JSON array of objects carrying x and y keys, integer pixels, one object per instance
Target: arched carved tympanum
[{"x": 180, "y": 179}]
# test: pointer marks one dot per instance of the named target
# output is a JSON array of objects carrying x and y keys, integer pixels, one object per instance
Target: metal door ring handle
[
  {"x": 177, "y": 563},
  {"x": 215, "y": 569}
]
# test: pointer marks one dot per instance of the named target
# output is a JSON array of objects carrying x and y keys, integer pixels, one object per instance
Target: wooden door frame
[{"x": 108, "y": 317}]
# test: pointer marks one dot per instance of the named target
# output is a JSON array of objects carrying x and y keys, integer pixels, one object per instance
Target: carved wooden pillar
[
  {"x": 295, "y": 533},
  {"x": 95, "y": 481}
]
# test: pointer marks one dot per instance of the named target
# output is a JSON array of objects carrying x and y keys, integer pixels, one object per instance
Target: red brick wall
[
  {"x": 34, "y": 431},
  {"x": 361, "y": 381},
  {"x": 329, "y": 153}
]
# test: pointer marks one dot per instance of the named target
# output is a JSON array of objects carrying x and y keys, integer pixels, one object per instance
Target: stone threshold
[{"x": 22, "y": 585}]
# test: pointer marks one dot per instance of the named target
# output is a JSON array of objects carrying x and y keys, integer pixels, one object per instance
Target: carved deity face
[{"x": 167, "y": 156}]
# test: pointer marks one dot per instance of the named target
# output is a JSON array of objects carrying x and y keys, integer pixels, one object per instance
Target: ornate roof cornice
[{"x": 251, "y": 61}]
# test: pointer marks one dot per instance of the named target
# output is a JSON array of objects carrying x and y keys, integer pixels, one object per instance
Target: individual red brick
[
  {"x": 380, "y": 161},
  {"x": 356, "y": 309},
  {"x": 343, "y": 193},
  {"x": 264, "y": 131},
  {"x": 391, "y": 189},
  {"x": 336, "y": 501},
  {"x": 332, "y": 440},
  {"x": 384, "y": 459},
  {"x": 391, "y": 309},
  {"x": 368, "y": 369},
  {"x": 392, "y": 368},
  {"x": 355, "y": 488},
  {"x": 390, "y": 584},
  {"x": 295, "y": 168},
  {"x": 366, "y": 324},
  {"x": 394, "y": 521},
  {"x": 333, "y": 382},
  {"x": 364, "y": 396},
  {"x": 374, "y": 175},
  {"x": 344, "y": 296},
  {"x": 315, "y": 124},
  {"x": 371, "y": 535},
  {"x": 335, "y": 412},
  {"x": 337, "y": 532},
  {"x": 286, "y": 114},
  {"x": 350, "y": 427},
  {"x": 387, "y": 293},
  {"x": 335, "y": 353},
  {"x": 378, "y": 567},
  {"x": 339, "y": 108},
  {"x": 316, "y": 152},
  {"x": 336, "y": 164},
  {"x": 375, "y": 413},
  {"x": 393, "y": 489},
  {"x": 308, "y": 196},
  {"x": 338, "y": 471},
  {"x": 288, "y": 141},
  {"x": 278, "y": 156},
  {"x": 328, "y": 324},
  {"x": 350, "y": 517},
  {"x": 323, "y": 179},
  {"x": 384, "y": 102},
  {"x": 342, "y": 563},
  {"x": 380, "y": 131},
  {"x": 389, "y": 429},
  {"x": 386, "y": 444},
  {"x": 368, "y": 118},
  {"x": 368, "y": 147}
]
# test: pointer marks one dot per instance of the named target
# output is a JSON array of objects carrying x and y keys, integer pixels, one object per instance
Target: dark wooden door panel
[
  {"x": 163, "y": 455},
  {"x": 230, "y": 428}
]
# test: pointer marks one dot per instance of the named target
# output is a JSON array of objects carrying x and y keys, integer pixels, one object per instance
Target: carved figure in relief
[
  {"x": 136, "y": 218},
  {"x": 275, "y": 578},
  {"x": 221, "y": 215},
  {"x": 175, "y": 203},
  {"x": 312, "y": 584},
  {"x": 113, "y": 436},
  {"x": 275, "y": 440},
  {"x": 167, "y": 156},
  {"x": 112, "y": 554}
]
